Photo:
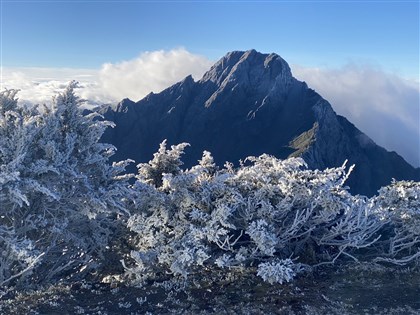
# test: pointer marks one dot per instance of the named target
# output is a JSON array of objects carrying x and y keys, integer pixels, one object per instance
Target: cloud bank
[
  {"x": 134, "y": 79},
  {"x": 150, "y": 72},
  {"x": 39, "y": 85},
  {"x": 382, "y": 105}
]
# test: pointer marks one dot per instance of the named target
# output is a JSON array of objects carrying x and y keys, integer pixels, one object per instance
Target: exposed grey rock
[{"x": 249, "y": 103}]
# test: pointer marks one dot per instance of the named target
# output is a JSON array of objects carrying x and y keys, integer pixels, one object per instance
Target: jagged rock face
[{"x": 249, "y": 103}]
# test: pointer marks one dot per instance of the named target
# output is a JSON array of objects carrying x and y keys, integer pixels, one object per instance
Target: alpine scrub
[
  {"x": 65, "y": 209},
  {"x": 59, "y": 196},
  {"x": 275, "y": 215}
]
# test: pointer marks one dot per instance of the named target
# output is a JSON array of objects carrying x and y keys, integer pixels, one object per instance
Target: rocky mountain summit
[{"x": 249, "y": 103}]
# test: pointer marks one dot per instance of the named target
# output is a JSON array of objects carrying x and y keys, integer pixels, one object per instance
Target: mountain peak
[
  {"x": 248, "y": 73},
  {"x": 247, "y": 65},
  {"x": 248, "y": 103}
]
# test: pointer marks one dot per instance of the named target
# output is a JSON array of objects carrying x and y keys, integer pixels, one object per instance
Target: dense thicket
[
  {"x": 59, "y": 196},
  {"x": 62, "y": 203},
  {"x": 276, "y": 215}
]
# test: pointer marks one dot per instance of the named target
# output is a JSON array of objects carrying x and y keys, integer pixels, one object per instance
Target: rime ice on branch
[
  {"x": 275, "y": 213},
  {"x": 58, "y": 192}
]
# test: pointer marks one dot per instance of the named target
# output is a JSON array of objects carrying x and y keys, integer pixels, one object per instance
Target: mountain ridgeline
[{"x": 249, "y": 103}]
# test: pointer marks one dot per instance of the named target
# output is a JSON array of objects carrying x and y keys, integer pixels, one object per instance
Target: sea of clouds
[{"x": 383, "y": 105}]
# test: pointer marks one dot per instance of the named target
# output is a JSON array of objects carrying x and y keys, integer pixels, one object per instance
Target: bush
[
  {"x": 267, "y": 213},
  {"x": 63, "y": 206},
  {"x": 59, "y": 195},
  {"x": 398, "y": 207}
]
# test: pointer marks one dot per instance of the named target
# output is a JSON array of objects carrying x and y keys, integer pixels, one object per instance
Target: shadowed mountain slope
[{"x": 249, "y": 103}]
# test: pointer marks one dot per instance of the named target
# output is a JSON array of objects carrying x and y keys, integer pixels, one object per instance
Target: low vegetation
[{"x": 68, "y": 215}]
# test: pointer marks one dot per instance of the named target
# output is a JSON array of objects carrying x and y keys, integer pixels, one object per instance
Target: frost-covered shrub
[
  {"x": 62, "y": 203},
  {"x": 164, "y": 162},
  {"x": 265, "y": 213},
  {"x": 16, "y": 134},
  {"x": 59, "y": 196},
  {"x": 398, "y": 206},
  {"x": 277, "y": 271},
  {"x": 17, "y": 257}
]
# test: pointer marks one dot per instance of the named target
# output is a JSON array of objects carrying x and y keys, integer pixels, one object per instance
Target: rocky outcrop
[{"x": 249, "y": 103}]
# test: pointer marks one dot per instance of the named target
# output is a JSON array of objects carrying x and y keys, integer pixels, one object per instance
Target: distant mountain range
[{"x": 249, "y": 103}]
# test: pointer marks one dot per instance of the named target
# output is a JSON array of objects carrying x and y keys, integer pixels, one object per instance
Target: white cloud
[
  {"x": 39, "y": 85},
  {"x": 150, "y": 72},
  {"x": 135, "y": 78},
  {"x": 382, "y": 105}
]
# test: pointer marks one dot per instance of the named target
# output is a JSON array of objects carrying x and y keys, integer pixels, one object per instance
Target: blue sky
[
  {"x": 362, "y": 56},
  {"x": 86, "y": 34}
]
